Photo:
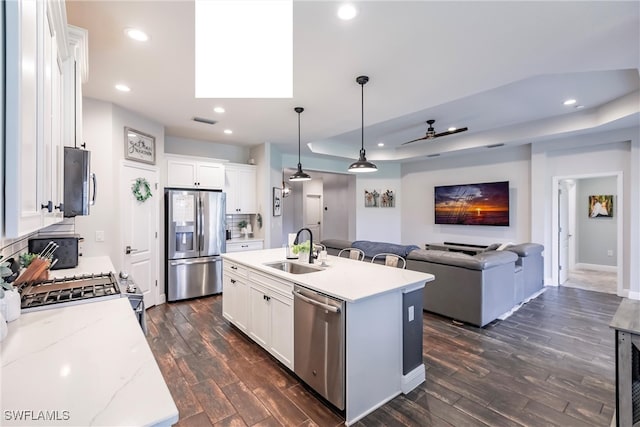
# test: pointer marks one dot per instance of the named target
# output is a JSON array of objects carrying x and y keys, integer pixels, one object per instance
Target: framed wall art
[
  {"x": 277, "y": 201},
  {"x": 601, "y": 206},
  {"x": 139, "y": 146}
]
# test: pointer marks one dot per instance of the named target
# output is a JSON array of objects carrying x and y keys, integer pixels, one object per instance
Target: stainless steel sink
[{"x": 292, "y": 267}]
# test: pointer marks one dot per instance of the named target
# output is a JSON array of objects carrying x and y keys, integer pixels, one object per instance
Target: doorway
[
  {"x": 588, "y": 245},
  {"x": 140, "y": 231}
]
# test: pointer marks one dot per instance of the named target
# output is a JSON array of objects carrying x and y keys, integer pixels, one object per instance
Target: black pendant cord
[
  {"x": 362, "y": 116},
  {"x": 299, "y": 164}
]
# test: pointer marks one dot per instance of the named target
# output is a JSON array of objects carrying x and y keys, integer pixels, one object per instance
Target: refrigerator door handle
[
  {"x": 195, "y": 261},
  {"x": 201, "y": 230}
]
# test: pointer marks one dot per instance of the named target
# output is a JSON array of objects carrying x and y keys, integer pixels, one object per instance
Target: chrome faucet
[{"x": 295, "y": 242}]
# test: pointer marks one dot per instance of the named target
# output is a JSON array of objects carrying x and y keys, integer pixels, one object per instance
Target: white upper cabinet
[
  {"x": 240, "y": 186},
  {"x": 36, "y": 50},
  {"x": 185, "y": 172},
  {"x": 23, "y": 171}
]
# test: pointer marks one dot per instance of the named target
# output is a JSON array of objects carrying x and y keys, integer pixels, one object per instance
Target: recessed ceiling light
[
  {"x": 228, "y": 131},
  {"x": 219, "y": 110},
  {"x": 380, "y": 144},
  {"x": 123, "y": 88},
  {"x": 134, "y": 33},
  {"x": 451, "y": 129},
  {"x": 569, "y": 102},
  {"x": 347, "y": 12},
  {"x": 579, "y": 107}
]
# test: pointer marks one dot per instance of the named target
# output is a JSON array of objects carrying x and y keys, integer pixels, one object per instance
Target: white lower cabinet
[{"x": 261, "y": 306}]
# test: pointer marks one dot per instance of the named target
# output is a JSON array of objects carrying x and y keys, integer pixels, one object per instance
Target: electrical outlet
[
  {"x": 610, "y": 252},
  {"x": 100, "y": 236},
  {"x": 411, "y": 315}
]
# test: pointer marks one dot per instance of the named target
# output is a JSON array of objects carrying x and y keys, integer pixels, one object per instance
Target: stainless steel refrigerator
[{"x": 195, "y": 238}]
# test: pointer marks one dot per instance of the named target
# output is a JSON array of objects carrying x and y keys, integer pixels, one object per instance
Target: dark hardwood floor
[{"x": 550, "y": 363}]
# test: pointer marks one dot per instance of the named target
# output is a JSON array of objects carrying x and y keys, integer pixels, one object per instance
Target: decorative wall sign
[
  {"x": 139, "y": 146},
  {"x": 601, "y": 206},
  {"x": 371, "y": 198},
  {"x": 277, "y": 201},
  {"x": 388, "y": 199}
]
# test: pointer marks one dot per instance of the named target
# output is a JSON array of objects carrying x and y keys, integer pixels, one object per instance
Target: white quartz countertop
[
  {"x": 343, "y": 278},
  {"x": 86, "y": 364},
  {"x": 86, "y": 265}
]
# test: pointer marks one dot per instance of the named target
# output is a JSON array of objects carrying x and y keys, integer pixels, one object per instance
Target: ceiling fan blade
[
  {"x": 450, "y": 132},
  {"x": 419, "y": 139}
]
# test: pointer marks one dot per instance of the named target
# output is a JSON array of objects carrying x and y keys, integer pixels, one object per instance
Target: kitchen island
[
  {"x": 383, "y": 319},
  {"x": 81, "y": 365}
]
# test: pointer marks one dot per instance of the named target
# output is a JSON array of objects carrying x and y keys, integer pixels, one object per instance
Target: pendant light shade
[
  {"x": 300, "y": 175},
  {"x": 362, "y": 165}
]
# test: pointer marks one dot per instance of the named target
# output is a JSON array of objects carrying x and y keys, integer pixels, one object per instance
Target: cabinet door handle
[
  {"x": 60, "y": 207},
  {"x": 244, "y": 246},
  {"x": 233, "y": 281},
  {"x": 48, "y": 206},
  {"x": 233, "y": 267}
]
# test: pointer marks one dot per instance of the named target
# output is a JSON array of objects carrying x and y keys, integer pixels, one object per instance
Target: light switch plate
[
  {"x": 99, "y": 236},
  {"x": 411, "y": 314}
]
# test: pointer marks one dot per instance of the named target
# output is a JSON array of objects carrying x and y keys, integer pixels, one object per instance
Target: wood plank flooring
[{"x": 550, "y": 363}]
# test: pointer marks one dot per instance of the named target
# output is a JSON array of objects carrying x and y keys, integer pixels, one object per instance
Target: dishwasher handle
[{"x": 327, "y": 307}]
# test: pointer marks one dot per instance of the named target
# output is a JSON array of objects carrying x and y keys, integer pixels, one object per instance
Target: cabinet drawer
[
  {"x": 244, "y": 246},
  {"x": 280, "y": 286},
  {"x": 234, "y": 269}
]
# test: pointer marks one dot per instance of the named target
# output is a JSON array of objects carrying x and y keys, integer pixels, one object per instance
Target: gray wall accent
[
  {"x": 200, "y": 148},
  {"x": 596, "y": 236}
]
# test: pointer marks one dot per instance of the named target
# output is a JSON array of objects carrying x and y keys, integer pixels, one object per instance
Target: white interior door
[
  {"x": 313, "y": 215},
  {"x": 564, "y": 234},
  {"x": 140, "y": 228}
]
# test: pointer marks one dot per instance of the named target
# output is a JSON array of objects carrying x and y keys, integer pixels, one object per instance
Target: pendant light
[
  {"x": 362, "y": 165},
  {"x": 299, "y": 175}
]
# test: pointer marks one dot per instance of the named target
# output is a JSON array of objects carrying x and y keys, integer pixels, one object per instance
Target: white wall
[
  {"x": 97, "y": 123},
  {"x": 103, "y": 132},
  {"x": 420, "y": 178},
  {"x": 380, "y": 224},
  {"x": 199, "y": 148},
  {"x": 605, "y": 153}
]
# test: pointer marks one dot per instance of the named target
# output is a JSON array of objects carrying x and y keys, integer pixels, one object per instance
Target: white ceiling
[{"x": 500, "y": 68}]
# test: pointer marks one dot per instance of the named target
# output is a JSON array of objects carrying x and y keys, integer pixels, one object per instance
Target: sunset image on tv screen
[{"x": 473, "y": 204}]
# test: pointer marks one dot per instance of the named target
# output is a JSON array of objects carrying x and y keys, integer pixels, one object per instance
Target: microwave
[{"x": 77, "y": 179}]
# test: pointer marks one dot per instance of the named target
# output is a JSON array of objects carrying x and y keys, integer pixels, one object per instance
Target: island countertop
[
  {"x": 87, "y": 364},
  {"x": 343, "y": 278}
]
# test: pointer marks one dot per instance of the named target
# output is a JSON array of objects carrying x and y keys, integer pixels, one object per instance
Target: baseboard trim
[
  {"x": 633, "y": 295},
  {"x": 596, "y": 267},
  {"x": 413, "y": 379}
]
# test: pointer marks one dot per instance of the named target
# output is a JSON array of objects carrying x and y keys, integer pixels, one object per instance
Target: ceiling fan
[{"x": 431, "y": 132}]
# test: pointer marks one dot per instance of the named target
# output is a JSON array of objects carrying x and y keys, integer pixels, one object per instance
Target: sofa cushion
[
  {"x": 526, "y": 249},
  {"x": 372, "y": 248},
  {"x": 481, "y": 261}
]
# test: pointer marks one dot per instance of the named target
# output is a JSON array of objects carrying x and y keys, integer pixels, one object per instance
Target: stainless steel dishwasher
[{"x": 319, "y": 343}]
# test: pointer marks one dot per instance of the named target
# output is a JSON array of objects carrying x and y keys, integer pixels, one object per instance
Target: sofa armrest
[{"x": 526, "y": 249}]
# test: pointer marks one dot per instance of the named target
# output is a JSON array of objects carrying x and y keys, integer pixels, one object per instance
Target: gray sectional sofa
[{"x": 474, "y": 289}]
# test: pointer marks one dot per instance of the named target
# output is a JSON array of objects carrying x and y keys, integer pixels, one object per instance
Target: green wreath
[{"x": 141, "y": 189}]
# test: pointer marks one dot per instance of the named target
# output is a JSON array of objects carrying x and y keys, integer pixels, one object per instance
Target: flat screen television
[{"x": 473, "y": 204}]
